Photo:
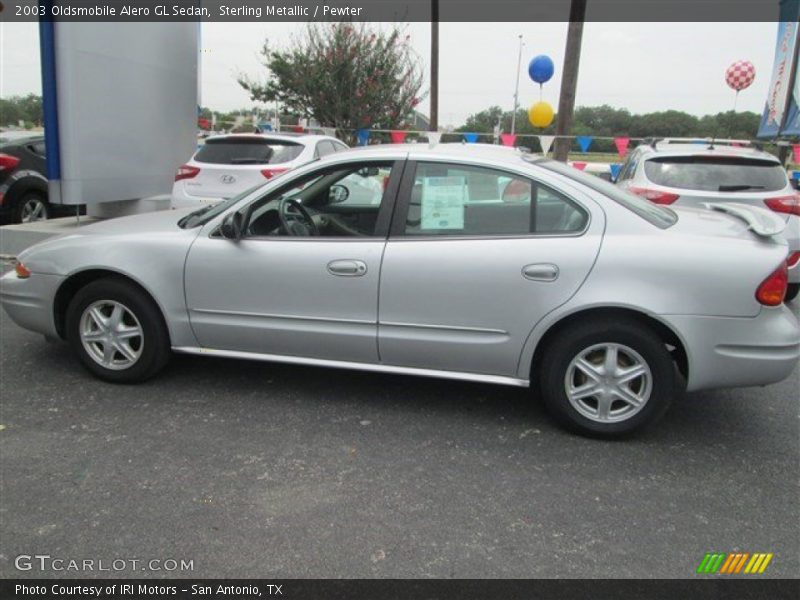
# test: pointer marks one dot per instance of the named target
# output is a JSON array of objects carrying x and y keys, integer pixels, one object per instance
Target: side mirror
[
  {"x": 232, "y": 225},
  {"x": 338, "y": 194}
]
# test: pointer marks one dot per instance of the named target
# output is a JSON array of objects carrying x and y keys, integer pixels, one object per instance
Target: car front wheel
[
  {"x": 607, "y": 378},
  {"x": 117, "y": 331}
]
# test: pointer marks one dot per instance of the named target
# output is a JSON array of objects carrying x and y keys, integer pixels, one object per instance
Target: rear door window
[
  {"x": 248, "y": 151},
  {"x": 716, "y": 173},
  {"x": 452, "y": 199}
]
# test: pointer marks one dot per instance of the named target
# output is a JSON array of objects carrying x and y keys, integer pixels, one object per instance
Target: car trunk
[
  {"x": 700, "y": 179},
  {"x": 233, "y": 164}
]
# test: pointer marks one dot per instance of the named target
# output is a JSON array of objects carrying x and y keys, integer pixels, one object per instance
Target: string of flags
[
  {"x": 506, "y": 139},
  {"x": 621, "y": 143}
]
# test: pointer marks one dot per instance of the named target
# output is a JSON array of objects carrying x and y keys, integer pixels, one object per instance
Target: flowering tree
[{"x": 343, "y": 75}]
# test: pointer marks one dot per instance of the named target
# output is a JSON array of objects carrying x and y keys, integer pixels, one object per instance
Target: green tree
[
  {"x": 344, "y": 75},
  {"x": 21, "y": 108}
]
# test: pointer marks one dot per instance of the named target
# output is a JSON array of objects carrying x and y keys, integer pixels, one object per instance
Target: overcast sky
[{"x": 639, "y": 66}]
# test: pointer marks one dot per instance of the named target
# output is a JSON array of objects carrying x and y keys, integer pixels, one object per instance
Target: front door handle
[
  {"x": 347, "y": 268},
  {"x": 540, "y": 272}
]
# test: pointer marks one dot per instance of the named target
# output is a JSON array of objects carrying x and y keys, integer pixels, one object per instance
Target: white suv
[
  {"x": 227, "y": 165},
  {"x": 682, "y": 173}
]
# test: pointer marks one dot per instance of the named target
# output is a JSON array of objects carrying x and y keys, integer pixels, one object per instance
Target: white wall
[{"x": 127, "y": 109}]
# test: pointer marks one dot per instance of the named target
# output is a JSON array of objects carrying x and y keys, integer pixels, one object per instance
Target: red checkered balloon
[{"x": 740, "y": 75}]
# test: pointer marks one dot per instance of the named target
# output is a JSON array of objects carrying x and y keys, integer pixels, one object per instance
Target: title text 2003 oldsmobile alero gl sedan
[{"x": 470, "y": 262}]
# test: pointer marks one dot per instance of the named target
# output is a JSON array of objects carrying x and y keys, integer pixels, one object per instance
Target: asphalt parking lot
[{"x": 266, "y": 470}]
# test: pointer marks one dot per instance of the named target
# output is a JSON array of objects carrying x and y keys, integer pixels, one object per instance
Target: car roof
[
  {"x": 19, "y": 140},
  {"x": 707, "y": 148},
  {"x": 287, "y": 136},
  {"x": 455, "y": 151}
]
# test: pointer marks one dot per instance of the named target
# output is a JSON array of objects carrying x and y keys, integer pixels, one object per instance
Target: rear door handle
[
  {"x": 347, "y": 268},
  {"x": 540, "y": 272}
]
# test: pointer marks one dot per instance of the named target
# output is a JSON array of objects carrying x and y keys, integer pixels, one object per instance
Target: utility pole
[
  {"x": 516, "y": 89},
  {"x": 434, "y": 116},
  {"x": 569, "y": 80}
]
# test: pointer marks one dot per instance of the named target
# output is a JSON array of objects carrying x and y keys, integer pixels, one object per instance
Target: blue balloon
[{"x": 541, "y": 68}]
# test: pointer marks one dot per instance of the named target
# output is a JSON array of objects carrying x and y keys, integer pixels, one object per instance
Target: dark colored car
[{"x": 23, "y": 182}]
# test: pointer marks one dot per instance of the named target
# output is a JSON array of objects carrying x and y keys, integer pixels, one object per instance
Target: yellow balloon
[{"x": 540, "y": 114}]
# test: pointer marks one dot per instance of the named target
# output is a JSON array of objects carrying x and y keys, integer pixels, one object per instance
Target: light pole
[
  {"x": 516, "y": 89},
  {"x": 434, "y": 116}
]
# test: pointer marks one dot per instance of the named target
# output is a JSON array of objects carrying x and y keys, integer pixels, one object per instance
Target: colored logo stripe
[{"x": 733, "y": 562}]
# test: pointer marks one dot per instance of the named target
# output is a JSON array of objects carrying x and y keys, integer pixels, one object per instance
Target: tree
[
  {"x": 344, "y": 75},
  {"x": 21, "y": 108}
]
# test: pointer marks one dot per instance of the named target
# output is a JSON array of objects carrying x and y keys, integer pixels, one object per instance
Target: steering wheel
[{"x": 298, "y": 223}]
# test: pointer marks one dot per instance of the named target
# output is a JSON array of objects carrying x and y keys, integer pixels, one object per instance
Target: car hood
[
  {"x": 114, "y": 244},
  {"x": 159, "y": 221}
]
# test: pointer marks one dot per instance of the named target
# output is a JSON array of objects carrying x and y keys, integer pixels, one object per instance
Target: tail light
[
  {"x": 8, "y": 162},
  {"x": 186, "y": 172},
  {"x": 793, "y": 259},
  {"x": 772, "y": 290},
  {"x": 655, "y": 196},
  {"x": 789, "y": 205},
  {"x": 270, "y": 173}
]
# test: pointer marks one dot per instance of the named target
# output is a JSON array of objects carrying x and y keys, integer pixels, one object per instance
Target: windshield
[
  {"x": 716, "y": 173},
  {"x": 657, "y": 215},
  {"x": 248, "y": 151},
  {"x": 208, "y": 212}
]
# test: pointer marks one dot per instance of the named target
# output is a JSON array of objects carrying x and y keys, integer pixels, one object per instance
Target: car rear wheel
[
  {"x": 117, "y": 331},
  {"x": 31, "y": 207},
  {"x": 607, "y": 378},
  {"x": 791, "y": 291}
]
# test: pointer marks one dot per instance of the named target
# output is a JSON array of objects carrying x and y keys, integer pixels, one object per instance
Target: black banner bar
[
  {"x": 388, "y": 10},
  {"x": 718, "y": 588}
]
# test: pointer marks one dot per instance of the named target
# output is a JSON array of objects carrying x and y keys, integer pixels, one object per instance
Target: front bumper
[
  {"x": 29, "y": 302},
  {"x": 736, "y": 352}
]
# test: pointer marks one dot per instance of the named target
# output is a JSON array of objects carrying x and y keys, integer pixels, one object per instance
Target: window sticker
[{"x": 443, "y": 202}]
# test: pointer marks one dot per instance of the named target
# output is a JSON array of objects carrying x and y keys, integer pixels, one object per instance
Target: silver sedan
[{"x": 481, "y": 264}]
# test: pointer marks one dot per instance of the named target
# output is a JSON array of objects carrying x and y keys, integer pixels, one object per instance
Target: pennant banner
[
  {"x": 398, "y": 137},
  {"x": 508, "y": 139},
  {"x": 329, "y": 131},
  {"x": 622, "y": 145},
  {"x": 546, "y": 141},
  {"x": 796, "y": 153},
  {"x": 298, "y": 128},
  {"x": 615, "y": 168},
  {"x": 363, "y": 136},
  {"x": 471, "y": 138},
  {"x": 579, "y": 165},
  {"x": 433, "y": 138},
  {"x": 584, "y": 141}
]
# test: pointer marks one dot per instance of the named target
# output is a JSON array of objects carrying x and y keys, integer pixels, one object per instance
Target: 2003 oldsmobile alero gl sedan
[{"x": 465, "y": 262}]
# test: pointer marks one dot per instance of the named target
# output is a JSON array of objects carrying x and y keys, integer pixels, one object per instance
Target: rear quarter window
[
  {"x": 716, "y": 174},
  {"x": 248, "y": 151}
]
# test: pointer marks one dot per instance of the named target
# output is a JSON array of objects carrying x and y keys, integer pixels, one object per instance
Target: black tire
[
  {"x": 22, "y": 204},
  {"x": 155, "y": 347},
  {"x": 791, "y": 292},
  {"x": 577, "y": 338}
]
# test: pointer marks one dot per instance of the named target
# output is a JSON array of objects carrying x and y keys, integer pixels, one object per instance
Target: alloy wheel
[
  {"x": 111, "y": 334},
  {"x": 608, "y": 382},
  {"x": 33, "y": 209}
]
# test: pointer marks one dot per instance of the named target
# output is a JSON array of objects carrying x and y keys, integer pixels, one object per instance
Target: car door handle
[
  {"x": 540, "y": 272},
  {"x": 347, "y": 268}
]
